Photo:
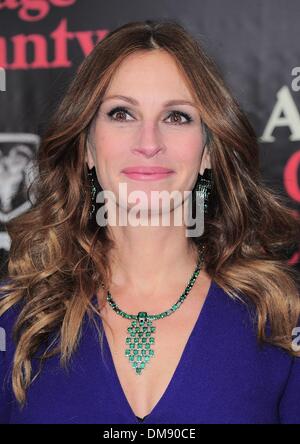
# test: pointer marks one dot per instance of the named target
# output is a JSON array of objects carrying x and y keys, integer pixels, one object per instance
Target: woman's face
[{"x": 144, "y": 131}]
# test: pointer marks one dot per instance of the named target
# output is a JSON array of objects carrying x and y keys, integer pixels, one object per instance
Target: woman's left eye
[{"x": 180, "y": 113}]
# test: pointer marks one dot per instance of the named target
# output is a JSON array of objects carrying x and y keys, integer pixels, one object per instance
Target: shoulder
[
  {"x": 235, "y": 320},
  {"x": 7, "y": 322},
  {"x": 9, "y": 317},
  {"x": 234, "y": 311},
  {"x": 7, "y": 350},
  {"x": 289, "y": 410}
]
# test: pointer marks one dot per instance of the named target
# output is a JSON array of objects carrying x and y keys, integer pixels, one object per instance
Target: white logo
[{"x": 17, "y": 152}]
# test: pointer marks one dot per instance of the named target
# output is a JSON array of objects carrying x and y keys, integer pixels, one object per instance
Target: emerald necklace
[{"x": 140, "y": 332}]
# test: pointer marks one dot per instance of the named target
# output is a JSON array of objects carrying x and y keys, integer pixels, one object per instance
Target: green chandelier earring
[
  {"x": 204, "y": 187},
  {"x": 93, "y": 180}
]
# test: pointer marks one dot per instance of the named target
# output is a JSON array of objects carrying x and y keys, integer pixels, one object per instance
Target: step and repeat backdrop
[{"x": 256, "y": 44}]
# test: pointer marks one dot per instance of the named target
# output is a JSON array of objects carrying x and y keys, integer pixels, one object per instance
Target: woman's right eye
[{"x": 118, "y": 110}]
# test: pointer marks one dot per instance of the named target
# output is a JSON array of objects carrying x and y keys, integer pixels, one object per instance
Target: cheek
[
  {"x": 187, "y": 148},
  {"x": 108, "y": 145}
]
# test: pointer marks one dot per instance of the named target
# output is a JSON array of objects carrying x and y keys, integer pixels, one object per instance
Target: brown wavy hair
[{"x": 58, "y": 257}]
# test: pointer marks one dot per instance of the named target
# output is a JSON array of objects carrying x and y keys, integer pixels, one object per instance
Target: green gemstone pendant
[{"x": 140, "y": 341}]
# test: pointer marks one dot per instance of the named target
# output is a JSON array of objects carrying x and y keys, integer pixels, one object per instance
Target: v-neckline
[{"x": 121, "y": 397}]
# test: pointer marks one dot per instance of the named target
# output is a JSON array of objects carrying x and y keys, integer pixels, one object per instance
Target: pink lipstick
[{"x": 147, "y": 173}]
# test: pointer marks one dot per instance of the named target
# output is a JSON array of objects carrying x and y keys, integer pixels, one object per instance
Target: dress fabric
[{"x": 224, "y": 376}]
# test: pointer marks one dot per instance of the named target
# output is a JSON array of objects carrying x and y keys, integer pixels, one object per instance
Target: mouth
[
  {"x": 147, "y": 173},
  {"x": 147, "y": 170},
  {"x": 149, "y": 176}
]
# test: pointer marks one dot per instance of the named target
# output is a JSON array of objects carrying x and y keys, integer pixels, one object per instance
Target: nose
[{"x": 149, "y": 142}]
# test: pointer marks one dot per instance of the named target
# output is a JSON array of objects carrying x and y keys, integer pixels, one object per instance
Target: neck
[{"x": 149, "y": 260}]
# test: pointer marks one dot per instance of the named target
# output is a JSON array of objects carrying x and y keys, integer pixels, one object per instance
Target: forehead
[{"x": 154, "y": 74}]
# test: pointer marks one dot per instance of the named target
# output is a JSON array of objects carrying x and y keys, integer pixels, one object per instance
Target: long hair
[{"x": 58, "y": 258}]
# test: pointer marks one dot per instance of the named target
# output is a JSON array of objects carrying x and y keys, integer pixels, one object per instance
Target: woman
[{"x": 219, "y": 350}]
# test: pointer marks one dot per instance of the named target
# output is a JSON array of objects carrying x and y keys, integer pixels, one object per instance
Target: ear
[
  {"x": 205, "y": 161},
  {"x": 90, "y": 155}
]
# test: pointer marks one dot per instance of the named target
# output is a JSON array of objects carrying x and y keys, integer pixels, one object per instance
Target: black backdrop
[{"x": 254, "y": 42}]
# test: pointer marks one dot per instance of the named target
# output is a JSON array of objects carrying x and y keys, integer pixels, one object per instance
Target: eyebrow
[{"x": 135, "y": 102}]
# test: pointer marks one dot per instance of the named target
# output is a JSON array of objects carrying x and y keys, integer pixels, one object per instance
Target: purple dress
[{"x": 223, "y": 376}]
